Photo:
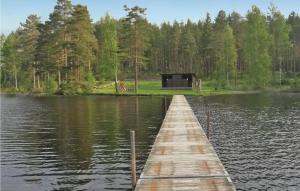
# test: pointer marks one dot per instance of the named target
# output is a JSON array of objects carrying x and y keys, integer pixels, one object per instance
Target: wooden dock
[{"x": 182, "y": 157}]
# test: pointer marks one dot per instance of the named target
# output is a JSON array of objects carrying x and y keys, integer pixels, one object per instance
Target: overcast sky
[{"x": 15, "y": 11}]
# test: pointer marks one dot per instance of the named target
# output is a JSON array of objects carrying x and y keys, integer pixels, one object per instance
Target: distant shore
[{"x": 153, "y": 88}]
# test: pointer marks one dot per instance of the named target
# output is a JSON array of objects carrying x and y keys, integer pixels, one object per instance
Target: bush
[
  {"x": 9, "y": 90},
  {"x": 50, "y": 86},
  {"x": 69, "y": 88},
  {"x": 88, "y": 85},
  {"x": 37, "y": 91},
  {"x": 90, "y": 78},
  {"x": 220, "y": 85},
  {"x": 296, "y": 84}
]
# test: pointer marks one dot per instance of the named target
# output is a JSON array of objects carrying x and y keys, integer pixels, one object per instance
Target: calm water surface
[
  {"x": 257, "y": 137},
  {"x": 82, "y": 143},
  {"x": 75, "y": 143}
]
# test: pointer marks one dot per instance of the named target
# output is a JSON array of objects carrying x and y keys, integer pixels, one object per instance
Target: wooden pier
[{"x": 182, "y": 157}]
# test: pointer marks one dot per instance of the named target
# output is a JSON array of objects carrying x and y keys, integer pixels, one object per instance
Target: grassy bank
[{"x": 153, "y": 88}]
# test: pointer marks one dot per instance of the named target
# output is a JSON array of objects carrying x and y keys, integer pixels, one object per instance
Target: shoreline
[{"x": 194, "y": 93}]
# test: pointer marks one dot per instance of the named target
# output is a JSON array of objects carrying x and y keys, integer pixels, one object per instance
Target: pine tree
[
  {"x": 83, "y": 41},
  {"x": 206, "y": 45},
  {"x": 2, "y": 41},
  {"x": 224, "y": 50},
  {"x": 108, "y": 64},
  {"x": 27, "y": 43},
  {"x": 294, "y": 21},
  {"x": 199, "y": 64},
  {"x": 61, "y": 37},
  {"x": 45, "y": 54},
  {"x": 169, "y": 45},
  {"x": 137, "y": 42},
  {"x": 155, "y": 54},
  {"x": 237, "y": 23},
  {"x": 187, "y": 50},
  {"x": 230, "y": 53},
  {"x": 257, "y": 47},
  {"x": 10, "y": 61},
  {"x": 281, "y": 43}
]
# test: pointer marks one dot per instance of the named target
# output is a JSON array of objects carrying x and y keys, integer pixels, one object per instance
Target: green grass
[{"x": 154, "y": 88}]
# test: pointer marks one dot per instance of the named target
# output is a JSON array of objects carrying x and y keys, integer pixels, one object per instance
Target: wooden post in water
[
  {"x": 133, "y": 163},
  {"x": 165, "y": 103},
  {"x": 200, "y": 84},
  {"x": 208, "y": 123}
]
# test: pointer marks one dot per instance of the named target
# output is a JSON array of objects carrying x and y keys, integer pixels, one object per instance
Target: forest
[{"x": 70, "y": 52}]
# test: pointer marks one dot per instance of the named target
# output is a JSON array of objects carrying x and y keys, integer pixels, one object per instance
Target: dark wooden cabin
[{"x": 178, "y": 81}]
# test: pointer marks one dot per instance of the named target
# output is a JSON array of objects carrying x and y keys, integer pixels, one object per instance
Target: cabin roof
[{"x": 193, "y": 74}]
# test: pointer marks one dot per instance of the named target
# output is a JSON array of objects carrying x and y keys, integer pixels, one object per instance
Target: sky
[{"x": 13, "y": 12}]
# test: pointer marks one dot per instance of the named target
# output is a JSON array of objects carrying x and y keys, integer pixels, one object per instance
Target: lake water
[
  {"x": 257, "y": 138},
  {"x": 75, "y": 143},
  {"x": 82, "y": 143}
]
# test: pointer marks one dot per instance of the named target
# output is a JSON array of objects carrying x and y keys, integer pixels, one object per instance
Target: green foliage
[
  {"x": 296, "y": 84},
  {"x": 188, "y": 49},
  {"x": 10, "y": 61},
  {"x": 50, "y": 86},
  {"x": 90, "y": 78},
  {"x": 57, "y": 31},
  {"x": 135, "y": 38},
  {"x": 257, "y": 47},
  {"x": 84, "y": 43},
  {"x": 70, "y": 88},
  {"x": 232, "y": 49},
  {"x": 206, "y": 47},
  {"x": 225, "y": 52},
  {"x": 84, "y": 87},
  {"x": 28, "y": 35},
  {"x": 88, "y": 85},
  {"x": 280, "y": 31},
  {"x": 108, "y": 44}
]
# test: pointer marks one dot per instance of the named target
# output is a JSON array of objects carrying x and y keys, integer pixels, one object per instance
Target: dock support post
[
  {"x": 165, "y": 103},
  {"x": 200, "y": 85},
  {"x": 208, "y": 123},
  {"x": 133, "y": 163}
]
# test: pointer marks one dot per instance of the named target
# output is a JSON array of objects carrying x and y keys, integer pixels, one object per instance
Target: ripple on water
[
  {"x": 257, "y": 137},
  {"x": 74, "y": 143}
]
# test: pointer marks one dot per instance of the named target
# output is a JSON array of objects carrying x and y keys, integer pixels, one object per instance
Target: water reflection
[
  {"x": 257, "y": 137},
  {"x": 75, "y": 143}
]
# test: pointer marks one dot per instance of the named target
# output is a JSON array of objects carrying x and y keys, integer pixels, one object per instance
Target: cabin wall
[{"x": 178, "y": 81}]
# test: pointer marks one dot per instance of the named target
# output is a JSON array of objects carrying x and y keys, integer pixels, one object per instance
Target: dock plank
[{"x": 182, "y": 157}]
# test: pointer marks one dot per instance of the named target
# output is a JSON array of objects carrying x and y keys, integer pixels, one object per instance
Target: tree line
[{"x": 70, "y": 50}]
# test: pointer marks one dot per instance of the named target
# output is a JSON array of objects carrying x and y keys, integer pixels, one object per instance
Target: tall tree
[
  {"x": 28, "y": 39},
  {"x": 206, "y": 48},
  {"x": 108, "y": 63},
  {"x": 188, "y": 48},
  {"x": 257, "y": 47},
  {"x": 61, "y": 36},
  {"x": 169, "y": 45},
  {"x": 294, "y": 21},
  {"x": 2, "y": 41},
  {"x": 10, "y": 59},
  {"x": 155, "y": 54},
  {"x": 280, "y": 31},
  {"x": 237, "y": 23},
  {"x": 135, "y": 19},
  {"x": 225, "y": 50},
  {"x": 230, "y": 53},
  {"x": 45, "y": 53},
  {"x": 84, "y": 42}
]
